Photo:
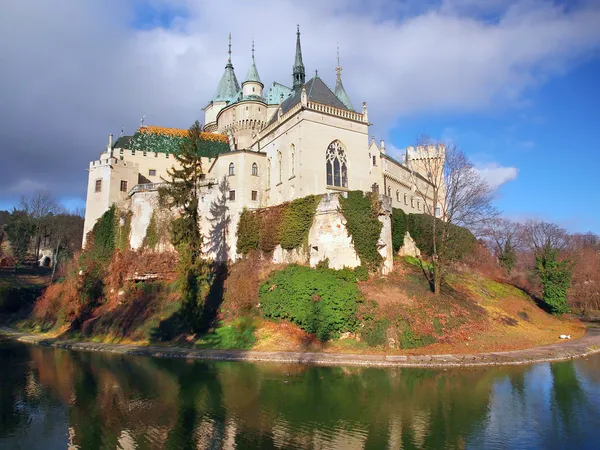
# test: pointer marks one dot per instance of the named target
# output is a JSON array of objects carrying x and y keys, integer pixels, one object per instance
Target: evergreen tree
[
  {"x": 20, "y": 229},
  {"x": 555, "y": 276},
  {"x": 508, "y": 256},
  {"x": 183, "y": 192}
]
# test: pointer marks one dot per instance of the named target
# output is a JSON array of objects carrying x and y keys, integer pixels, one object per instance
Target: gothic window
[
  {"x": 389, "y": 192},
  {"x": 255, "y": 169},
  {"x": 293, "y": 159},
  {"x": 336, "y": 165},
  {"x": 374, "y": 160},
  {"x": 412, "y": 202},
  {"x": 231, "y": 169},
  {"x": 279, "y": 165},
  {"x": 397, "y": 196},
  {"x": 405, "y": 199}
]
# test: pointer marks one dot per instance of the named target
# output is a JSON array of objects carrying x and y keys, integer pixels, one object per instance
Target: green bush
[
  {"x": 296, "y": 221},
  {"x": 361, "y": 212},
  {"x": 374, "y": 332},
  {"x": 238, "y": 335},
  {"x": 151, "y": 238},
  {"x": 555, "y": 276},
  {"x": 269, "y": 225},
  {"x": 398, "y": 228},
  {"x": 248, "y": 232},
  {"x": 361, "y": 273},
  {"x": 319, "y": 301},
  {"x": 460, "y": 241},
  {"x": 410, "y": 339}
]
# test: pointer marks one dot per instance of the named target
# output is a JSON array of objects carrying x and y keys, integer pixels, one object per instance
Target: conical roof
[
  {"x": 228, "y": 86},
  {"x": 339, "y": 90},
  {"x": 253, "y": 71}
]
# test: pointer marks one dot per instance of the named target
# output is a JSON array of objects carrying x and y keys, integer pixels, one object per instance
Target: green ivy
[
  {"x": 319, "y": 301},
  {"x": 124, "y": 231},
  {"x": 555, "y": 276},
  {"x": 460, "y": 240},
  {"x": 101, "y": 242},
  {"x": 151, "y": 238},
  {"x": 398, "y": 228},
  {"x": 248, "y": 232},
  {"x": 296, "y": 222},
  {"x": 268, "y": 228},
  {"x": 361, "y": 212}
]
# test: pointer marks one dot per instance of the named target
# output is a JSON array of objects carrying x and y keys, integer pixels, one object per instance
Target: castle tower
[
  {"x": 252, "y": 86},
  {"x": 299, "y": 74},
  {"x": 340, "y": 92},
  {"x": 228, "y": 87}
]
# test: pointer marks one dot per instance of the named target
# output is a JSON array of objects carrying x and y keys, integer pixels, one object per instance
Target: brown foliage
[
  {"x": 584, "y": 293},
  {"x": 242, "y": 283},
  {"x": 482, "y": 261},
  {"x": 270, "y": 222}
]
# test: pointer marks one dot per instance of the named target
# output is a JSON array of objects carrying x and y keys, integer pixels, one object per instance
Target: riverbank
[{"x": 569, "y": 349}]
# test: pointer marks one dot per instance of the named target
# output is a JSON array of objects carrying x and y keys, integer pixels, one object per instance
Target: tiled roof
[{"x": 179, "y": 132}]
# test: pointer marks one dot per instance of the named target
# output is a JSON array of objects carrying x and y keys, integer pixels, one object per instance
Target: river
[{"x": 58, "y": 399}]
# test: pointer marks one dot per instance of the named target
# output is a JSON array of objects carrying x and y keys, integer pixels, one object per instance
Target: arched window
[
  {"x": 255, "y": 169},
  {"x": 336, "y": 165},
  {"x": 389, "y": 191},
  {"x": 231, "y": 169},
  {"x": 279, "y": 166},
  {"x": 405, "y": 199},
  {"x": 397, "y": 196},
  {"x": 293, "y": 159}
]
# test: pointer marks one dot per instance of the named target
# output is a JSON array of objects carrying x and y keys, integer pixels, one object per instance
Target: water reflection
[{"x": 54, "y": 399}]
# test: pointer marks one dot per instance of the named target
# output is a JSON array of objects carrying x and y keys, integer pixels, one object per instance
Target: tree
[
  {"x": 501, "y": 236},
  {"x": 182, "y": 191},
  {"x": 39, "y": 206},
  {"x": 66, "y": 231},
  {"x": 20, "y": 229},
  {"x": 546, "y": 240},
  {"x": 453, "y": 194}
]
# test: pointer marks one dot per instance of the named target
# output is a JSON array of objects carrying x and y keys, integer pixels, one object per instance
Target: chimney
[
  {"x": 382, "y": 146},
  {"x": 110, "y": 145}
]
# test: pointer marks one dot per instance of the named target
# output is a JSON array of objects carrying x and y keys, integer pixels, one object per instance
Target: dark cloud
[{"x": 74, "y": 71}]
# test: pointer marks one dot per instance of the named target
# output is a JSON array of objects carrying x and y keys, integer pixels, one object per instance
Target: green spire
[
  {"x": 299, "y": 74},
  {"x": 339, "y": 91},
  {"x": 252, "y": 71},
  {"x": 228, "y": 86}
]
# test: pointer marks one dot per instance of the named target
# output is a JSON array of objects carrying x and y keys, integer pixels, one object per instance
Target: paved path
[{"x": 568, "y": 349}]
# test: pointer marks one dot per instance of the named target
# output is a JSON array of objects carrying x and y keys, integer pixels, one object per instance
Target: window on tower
[
  {"x": 255, "y": 169},
  {"x": 231, "y": 169}
]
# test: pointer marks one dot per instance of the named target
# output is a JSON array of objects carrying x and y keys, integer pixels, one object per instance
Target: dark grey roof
[
  {"x": 316, "y": 91},
  {"x": 123, "y": 142}
]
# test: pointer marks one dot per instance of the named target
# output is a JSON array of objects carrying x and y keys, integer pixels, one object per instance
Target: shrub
[
  {"x": 361, "y": 273},
  {"x": 296, "y": 221},
  {"x": 374, "y": 332},
  {"x": 460, "y": 240},
  {"x": 319, "y": 301},
  {"x": 398, "y": 228},
  {"x": 239, "y": 335},
  {"x": 15, "y": 298},
  {"x": 555, "y": 276},
  {"x": 248, "y": 232},
  {"x": 361, "y": 212}
]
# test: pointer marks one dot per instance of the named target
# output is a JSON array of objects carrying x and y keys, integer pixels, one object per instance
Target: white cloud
[
  {"x": 496, "y": 175},
  {"x": 75, "y": 71}
]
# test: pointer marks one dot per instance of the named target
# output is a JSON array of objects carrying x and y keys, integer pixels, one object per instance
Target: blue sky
[
  {"x": 514, "y": 83},
  {"x": 553, "y": 140}
]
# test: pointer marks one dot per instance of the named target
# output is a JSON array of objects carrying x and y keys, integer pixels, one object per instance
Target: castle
[{"x": 261, "y": 148}]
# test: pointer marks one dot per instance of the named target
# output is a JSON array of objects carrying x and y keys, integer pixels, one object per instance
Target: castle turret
[
  {"x": 299, "y": 73},
  {"x": 252, "y": 86},
  {"x": 227, "y": 89},
  {"x": 340, "y": 92}
]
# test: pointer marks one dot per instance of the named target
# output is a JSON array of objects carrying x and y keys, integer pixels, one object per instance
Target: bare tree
[
  {"x": 39, "y": 206},
  {"x": 538, "y": 236},
  {"x": 66, "y": 231},
  {"x": 502, "y": 238},
  {"x": 452, "y": 191}
]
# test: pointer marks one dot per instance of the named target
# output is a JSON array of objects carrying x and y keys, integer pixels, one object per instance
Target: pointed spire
[
  {"x": 339, "y": 91},
  {"x": 228, "y": 86},
  {"x": 253, "y": 71},
  {"x": 299, "y": 74}
]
